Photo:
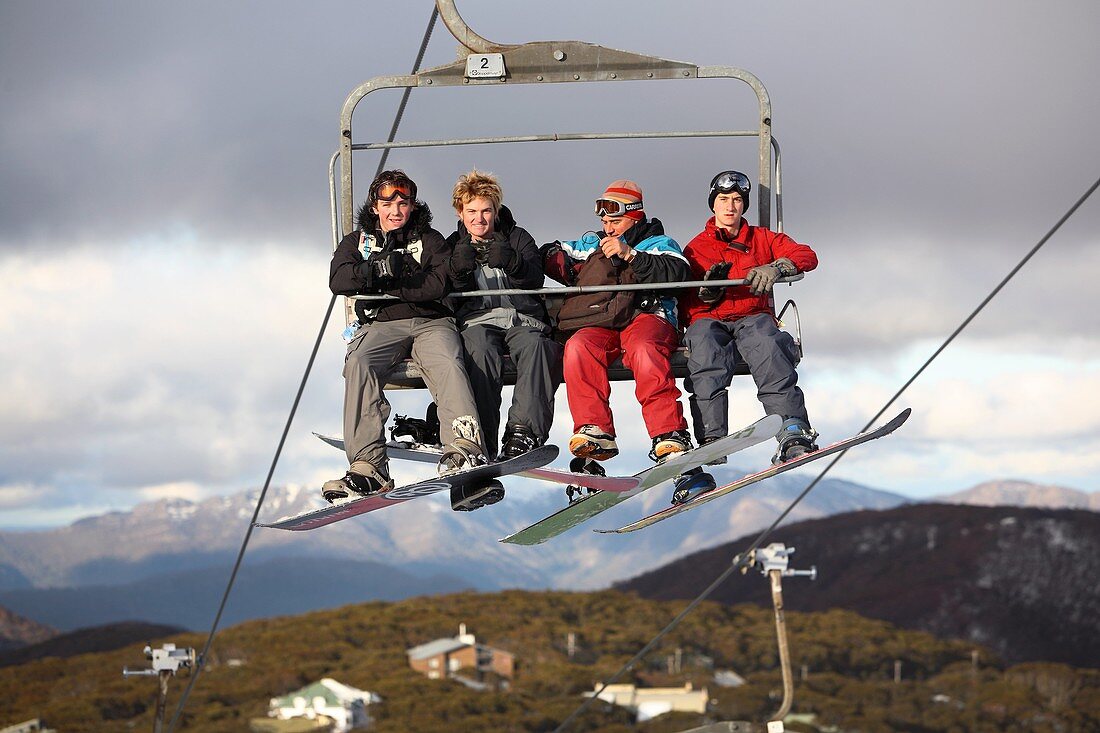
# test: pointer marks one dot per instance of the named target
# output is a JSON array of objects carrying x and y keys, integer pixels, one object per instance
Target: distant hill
[
  {"x": 1023, "y": 493},
  {"x": 190, "y": 599},
  {"x": 17, "y": 631},
  {"x": 85, "y": 641},
  {"x": 849, "y": 664},
  {"x": 1020, "y": 580}
]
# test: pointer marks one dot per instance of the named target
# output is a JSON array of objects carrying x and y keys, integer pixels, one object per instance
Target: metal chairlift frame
[{"x": 551, "y": 62}]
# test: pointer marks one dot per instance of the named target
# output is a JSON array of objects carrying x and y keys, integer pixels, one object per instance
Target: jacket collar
[{"x": 720, "y": 234}]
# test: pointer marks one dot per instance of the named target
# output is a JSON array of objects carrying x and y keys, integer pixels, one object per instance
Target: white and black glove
[{"x": 382, "y": 269}]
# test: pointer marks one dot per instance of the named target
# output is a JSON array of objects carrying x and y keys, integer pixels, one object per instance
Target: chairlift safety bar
[{"x": 574, "y": 289}]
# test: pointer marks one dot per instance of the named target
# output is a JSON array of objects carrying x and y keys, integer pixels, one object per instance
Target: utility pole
[
  {"x": 771, "y": 561},
  {"x": 166, "y": 662}
]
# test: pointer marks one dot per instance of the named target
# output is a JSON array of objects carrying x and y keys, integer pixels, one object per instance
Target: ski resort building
[
  {"x": 649, "y": 702},
  {"x": 442, "y": 658},
  {"x": 328, "y": 700}
]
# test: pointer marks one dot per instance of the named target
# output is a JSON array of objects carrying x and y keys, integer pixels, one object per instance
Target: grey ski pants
[
  {"x": 770, "y": 354},
  {"x": 376, "y": 350},
  {"x": 537, "y": 358}
]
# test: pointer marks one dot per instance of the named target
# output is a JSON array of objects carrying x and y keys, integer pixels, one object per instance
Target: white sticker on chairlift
[
  {"x": 484, "y": 65},
  {"x": 775, "y": 726}
]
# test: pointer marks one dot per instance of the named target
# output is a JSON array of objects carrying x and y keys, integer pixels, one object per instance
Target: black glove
[
  {"x": 717, "y": 271},
  {"x": 501, "y": 255},
  {"x": 382, "y": 269},
  {"x": 463, "y": 259}
]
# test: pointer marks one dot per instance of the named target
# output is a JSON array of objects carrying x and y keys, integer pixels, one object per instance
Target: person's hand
[
  {"x": 614, "y": 247},
  {"x": 501, "y": 255},
  {"x": 786, "y": 267},
  {"x": 382, "y": 269},
  {"x": 463, "y": 259},
  {"x": 761, "y": 278},
  {"x": 717, "y": 271}
]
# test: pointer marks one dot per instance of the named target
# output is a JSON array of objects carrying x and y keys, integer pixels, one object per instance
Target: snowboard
[
  {"x": 362, "y": 504},
  {"x": 741, "y": 483},
  {"x": 584, "y": 509},
  {"x": 407, "y": 451}
]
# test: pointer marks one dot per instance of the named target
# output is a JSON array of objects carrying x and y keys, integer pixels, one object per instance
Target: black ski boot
[
  {"x": 796, "y": 438},
  {"x": 689, "y": 485},
  {"x": 474, "y": 496},
  {"x": 580, "y": 464},
  {"x": 667, "y": 445},
  {"x": 518, "y": 439}
]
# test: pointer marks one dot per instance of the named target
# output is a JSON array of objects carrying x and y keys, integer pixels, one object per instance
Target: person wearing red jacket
[{"x": 724, "y": 321}]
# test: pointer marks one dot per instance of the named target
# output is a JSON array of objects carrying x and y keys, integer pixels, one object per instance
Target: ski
[
  {"x": 422, "y": 453},
  {"x": 361, "y": 505},
  {"x": 741, "y": 483},
  {"x": 586, "y": 508}
]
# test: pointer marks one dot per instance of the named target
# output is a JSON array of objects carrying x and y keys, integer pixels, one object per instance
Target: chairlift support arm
[{"x": 542, "y": 62}]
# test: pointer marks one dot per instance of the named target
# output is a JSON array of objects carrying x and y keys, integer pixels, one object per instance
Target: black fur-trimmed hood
[{"x": 419, "y": 221}]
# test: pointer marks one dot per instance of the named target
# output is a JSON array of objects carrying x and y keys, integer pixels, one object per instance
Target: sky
[{"x": 165, "y": 227}]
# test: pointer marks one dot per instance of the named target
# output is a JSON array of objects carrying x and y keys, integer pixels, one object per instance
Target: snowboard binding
[
  {"x": 469, "y": 498},
  {"x": 419, "y": 432},
  {"x": 580, "y": 464}
]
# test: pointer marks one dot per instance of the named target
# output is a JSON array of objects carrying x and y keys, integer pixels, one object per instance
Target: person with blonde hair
[{"x": 490, "y": 252}]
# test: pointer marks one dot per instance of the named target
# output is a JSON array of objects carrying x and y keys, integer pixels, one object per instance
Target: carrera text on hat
[{"x": 621, "y": 198}]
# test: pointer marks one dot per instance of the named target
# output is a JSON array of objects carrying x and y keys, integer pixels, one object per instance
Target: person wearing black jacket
[
  {"x": 396, "y": 252},
  {"x": 491, "y": 253}
]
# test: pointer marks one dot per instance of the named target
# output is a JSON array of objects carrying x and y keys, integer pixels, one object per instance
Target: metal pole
[
  {"x": 575, "y": 289},
  {"x": 162, "y": 700},
  {"x": 784, "y": 651}
]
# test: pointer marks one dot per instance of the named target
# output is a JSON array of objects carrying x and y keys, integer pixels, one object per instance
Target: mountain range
[
  {"x": 167, "y": 561},
  {"x": 1010, "y": 492}
]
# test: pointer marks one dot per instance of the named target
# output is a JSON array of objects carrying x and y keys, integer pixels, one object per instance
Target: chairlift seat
[{"x": 408, "y": 375}]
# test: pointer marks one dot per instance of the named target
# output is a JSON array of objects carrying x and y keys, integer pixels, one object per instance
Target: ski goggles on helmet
[
  {"x": 390, "y": 191},
  {"x": 611, "y": 207},
  {"x": 730, "y": 181}
]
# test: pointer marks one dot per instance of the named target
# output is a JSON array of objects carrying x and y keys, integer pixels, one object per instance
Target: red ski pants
[{"x": 645, "y": 346}]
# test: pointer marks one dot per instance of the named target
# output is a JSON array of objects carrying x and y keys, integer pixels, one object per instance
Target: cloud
[
  {"x": 165, "y": 231},
  {"x": 183, "y": 490}
]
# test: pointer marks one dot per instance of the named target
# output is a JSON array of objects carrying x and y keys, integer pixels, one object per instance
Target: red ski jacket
[{"x": 753, "y": 246}]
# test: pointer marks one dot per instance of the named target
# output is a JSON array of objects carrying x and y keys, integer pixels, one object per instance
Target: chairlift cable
[
  {"x": 201, "y": 659},
  {"x": 743, "y": 558}
]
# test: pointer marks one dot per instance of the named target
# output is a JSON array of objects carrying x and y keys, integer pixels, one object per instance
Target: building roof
[
  {"x": 435, "y": 648},
  {"x": 333, "y": 693}
]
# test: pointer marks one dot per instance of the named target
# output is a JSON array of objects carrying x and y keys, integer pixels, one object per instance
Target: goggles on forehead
[
  {"x": 611, "y": 207},
  {"x": 390, "y": 191},
  {"x": 729, "y": 181}
]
